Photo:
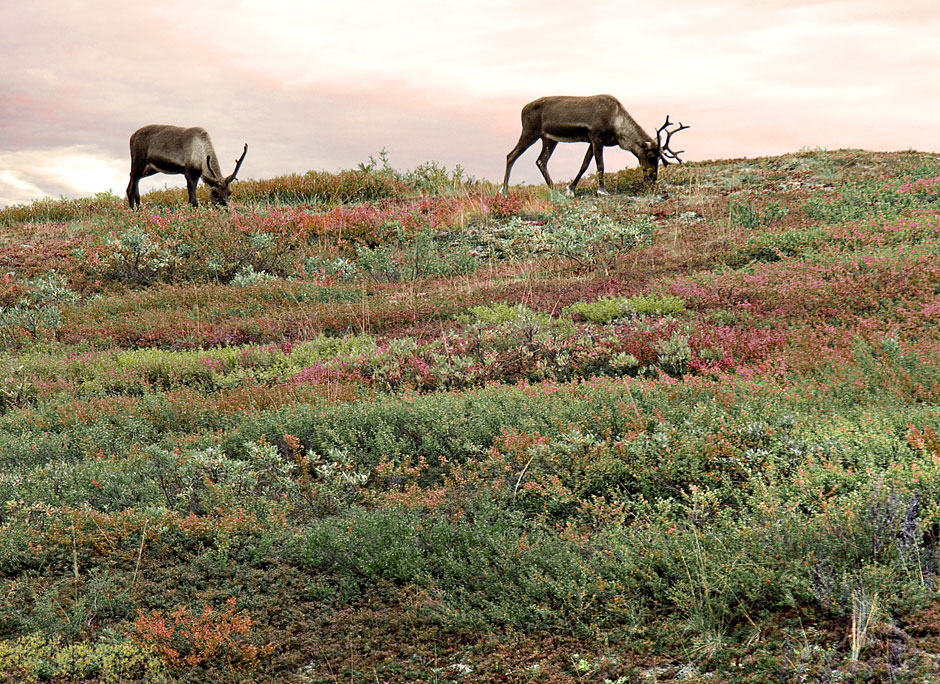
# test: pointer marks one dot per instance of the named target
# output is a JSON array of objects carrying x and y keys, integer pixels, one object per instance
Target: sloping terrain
[{"x": 378, "y": 426}]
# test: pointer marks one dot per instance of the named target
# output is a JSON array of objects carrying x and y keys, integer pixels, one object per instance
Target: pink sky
[{"x": 324, "y": 85}]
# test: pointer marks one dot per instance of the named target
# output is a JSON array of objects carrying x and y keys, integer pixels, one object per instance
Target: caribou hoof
[
  {"x": 569, "y": 192},
  {"x": 602, "y": 192}
]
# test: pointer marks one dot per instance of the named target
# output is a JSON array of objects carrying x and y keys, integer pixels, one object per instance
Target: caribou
[
  {"x": 599, "y": 120},
  {"x": 172, "y": 149}
]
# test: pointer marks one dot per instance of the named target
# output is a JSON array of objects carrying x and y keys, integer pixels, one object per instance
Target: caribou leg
[
  {"x": 192, "y": 179},
  {"x": 548, "y": 146},
  {"x": 133, "y": 193},
  {"x": 133, "y": 189},
  {"x": 598, "y": 148},
  {"x": 525, "y": 142},
  {"x": 587, "y": 160}
]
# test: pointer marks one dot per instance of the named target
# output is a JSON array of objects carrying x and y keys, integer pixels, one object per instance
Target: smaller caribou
[
  {"x": 171, "y": 149},
  {"x": 599, "y": 120}
]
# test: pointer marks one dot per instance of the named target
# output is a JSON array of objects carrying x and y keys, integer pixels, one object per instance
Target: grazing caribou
[
  {"x": 599, "y": 120},
  {"x": 171, "y": 149}
]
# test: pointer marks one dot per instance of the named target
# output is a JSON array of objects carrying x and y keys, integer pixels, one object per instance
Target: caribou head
[
  {"x": 599, "y": 120},
  {"x": 170, "y": 149}
]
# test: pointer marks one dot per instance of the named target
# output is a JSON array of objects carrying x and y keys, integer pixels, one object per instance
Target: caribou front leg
[
  {"x": 584, "y": 165},
  {"x": 192, "y": 180},
  {"x": 598, "y": 148}
]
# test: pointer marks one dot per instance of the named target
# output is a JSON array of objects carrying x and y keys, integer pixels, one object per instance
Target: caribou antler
[
  {"x": 238, "y": 164},
  {"x": 665, "y": 153}
]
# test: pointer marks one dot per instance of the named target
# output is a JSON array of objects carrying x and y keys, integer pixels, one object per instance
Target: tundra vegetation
[{"x": 387, "y": 426}]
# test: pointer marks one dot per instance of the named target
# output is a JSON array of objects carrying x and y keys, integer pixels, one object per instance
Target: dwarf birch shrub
[
  {"x": 247, "y": 275},
  {"x": 434, "y": 177},
  {"x": 607, "y": 309},
  {"x": 501, "y": 312},
  {"x": 33, "y": 307},
  {"x": 583, "y": 233},
  {"x": 41, "y": 658},
  {"x": 578, "y": 232},
  {"x": 135, "y": 258}
]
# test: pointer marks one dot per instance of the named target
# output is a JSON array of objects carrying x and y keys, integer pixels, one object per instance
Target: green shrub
[
  {"x": 626, "y": 181},
  {"x": 33, "y": 307},
  {"x": 746, "y": 214},
  {"x": 434, "y": 177},
  {"x": 674, "y": 354},
  {"x": 489, "y": 566},
  {"x": 860, "y": 201},
  {"x": 418, "y": 254},
  {"x": 583, "y": 233},
  {"x": 654, "y": 305},
  {"x": 38, "y": 658},
  {"x": 608, "y": 309},
  {"x": 603, "y": 310},
  {"x": 772, "y": 246}
]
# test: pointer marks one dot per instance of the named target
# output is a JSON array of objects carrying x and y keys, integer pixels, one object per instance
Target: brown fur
[
  {"x": 171, "y": 149},
  {"x": 599, "y": 120}
]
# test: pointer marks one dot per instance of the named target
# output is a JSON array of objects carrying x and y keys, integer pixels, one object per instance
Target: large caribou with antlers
[
  {"x": 599, "y": 120},
  {"x": 171, "y": 149}
]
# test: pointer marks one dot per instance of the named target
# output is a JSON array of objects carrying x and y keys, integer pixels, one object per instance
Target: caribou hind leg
[
  {"x": 548, "y": 146},
  {"x": 133, "y": 189},
  {"x": 133, "y": 193},
  {"x": 525, "y": 142}
]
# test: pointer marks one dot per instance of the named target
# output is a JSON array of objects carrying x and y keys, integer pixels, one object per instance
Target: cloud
[
  {"x": 325, "y": 85},
  {"x": 73, "y": 171}
]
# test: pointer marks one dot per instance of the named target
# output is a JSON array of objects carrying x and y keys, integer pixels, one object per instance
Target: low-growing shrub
[
  {"x": 653, "y": 305},
  {"x": 607, "y": 309},
  {"x": 38, "y": 658},
  {"x": 33, "y": 307},
  {"x": 418, "y": 255},
  {"x": 56, "y": 210},
  {"x": 626, "y": 181},
  {"x": 772, "y": 246},
  {"x": 579, "y": 232},
  {"x": 434, "y": 177},
  {"x": 583, "y": 233},
  {"x": 495, "y": 314},
  {"x": 603, "y": 310},
  {"x": 746, "y": 214},
  {"x": 184, "y": 638}
]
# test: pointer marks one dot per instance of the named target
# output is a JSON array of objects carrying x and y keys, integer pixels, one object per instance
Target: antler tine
[
  {"x": 662, "y": 128},
  {"x": 664, "y": 147},
  {"x": 238, "y": 163}
]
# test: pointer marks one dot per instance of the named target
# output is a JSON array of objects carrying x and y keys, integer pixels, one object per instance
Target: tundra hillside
[{"x": 384, "y": 426}]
